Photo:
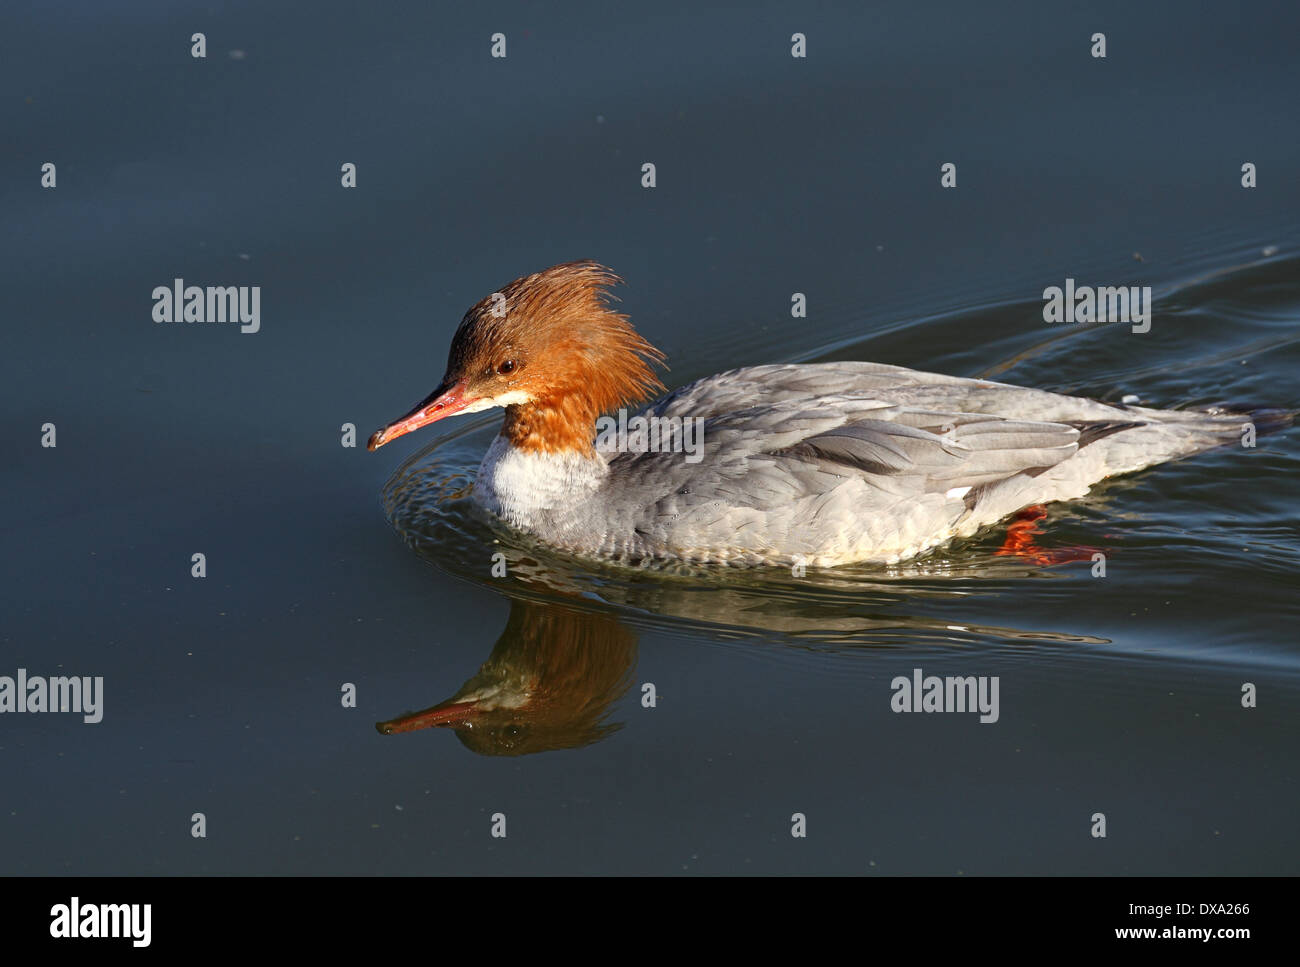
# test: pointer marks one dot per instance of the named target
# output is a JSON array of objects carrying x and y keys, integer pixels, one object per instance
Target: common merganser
[{"x": 820, "y": 464}]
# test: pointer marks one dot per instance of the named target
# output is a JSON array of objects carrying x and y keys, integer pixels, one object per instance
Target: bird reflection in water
[{"x": 549, "y": 683}]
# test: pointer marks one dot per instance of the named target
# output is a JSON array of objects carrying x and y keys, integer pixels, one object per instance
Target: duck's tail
[{"x": 1219, "y": 425}]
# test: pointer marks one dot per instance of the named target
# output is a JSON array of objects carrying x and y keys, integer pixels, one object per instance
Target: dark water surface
[{"x": 329, "y": 565}]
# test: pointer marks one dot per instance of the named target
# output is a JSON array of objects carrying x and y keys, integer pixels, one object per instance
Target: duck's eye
[{"x": 507, "y": 367}]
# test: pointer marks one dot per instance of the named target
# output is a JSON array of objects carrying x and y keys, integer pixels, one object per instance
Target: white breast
[{"x": 523, "y": 488}]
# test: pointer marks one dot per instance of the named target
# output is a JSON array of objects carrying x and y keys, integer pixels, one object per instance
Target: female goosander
[{"x": 817, "y": 464}]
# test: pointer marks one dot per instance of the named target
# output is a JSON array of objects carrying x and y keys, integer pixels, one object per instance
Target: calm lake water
[{"x": 329, "y": 565}]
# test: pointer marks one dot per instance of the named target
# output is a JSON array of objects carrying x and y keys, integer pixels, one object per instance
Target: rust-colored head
[{"x": 551, "y": 351}]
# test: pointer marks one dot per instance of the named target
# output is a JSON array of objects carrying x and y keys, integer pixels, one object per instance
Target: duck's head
[{"x": 549, "y": 349}]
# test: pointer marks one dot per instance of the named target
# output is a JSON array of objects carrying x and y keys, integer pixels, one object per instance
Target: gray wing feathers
[
  {"x": 968, "y": 455},
  {"x": 738, "y": 388}
]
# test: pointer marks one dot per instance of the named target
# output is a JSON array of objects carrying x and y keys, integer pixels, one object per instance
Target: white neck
[{"x": 535, "y": 490}]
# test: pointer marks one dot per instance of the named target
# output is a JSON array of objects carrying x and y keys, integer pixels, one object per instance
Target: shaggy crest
[{"x": 571, "y": 355}]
